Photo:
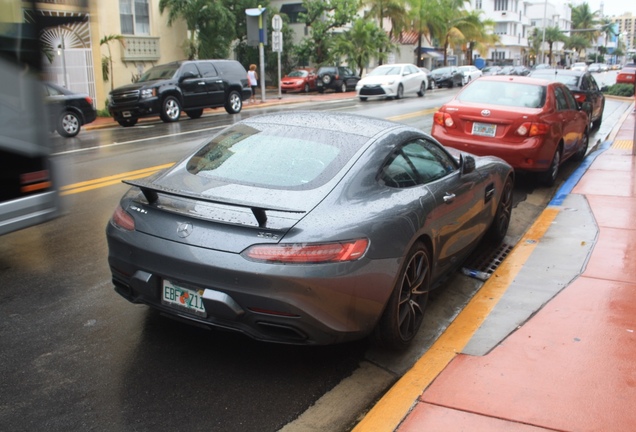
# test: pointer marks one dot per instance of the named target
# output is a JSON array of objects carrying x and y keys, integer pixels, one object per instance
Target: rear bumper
[{"x": 293, "y": 304}]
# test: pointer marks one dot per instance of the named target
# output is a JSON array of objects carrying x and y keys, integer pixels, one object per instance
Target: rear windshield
[
  {"x": 568, "y": 80},
  {"x": 275, "y": 156},
  {"x": 298, "y": 73},
  {"x": 159, "y": 72},
  {"x": 504, "y": 93}
]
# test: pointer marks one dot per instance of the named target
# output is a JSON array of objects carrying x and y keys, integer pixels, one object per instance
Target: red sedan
[
  {"x": 299, "y": 80},
  {"x": 533, "y": 124},
  {"x": 627, "y": 75}
]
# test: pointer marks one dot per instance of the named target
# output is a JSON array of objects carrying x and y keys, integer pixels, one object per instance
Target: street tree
[
  {"x": 478, "y": 34},
  {"x": 363, "y": 42},
  {"x": 577, "y": 43},
  {"x": 585, "y": 20},
  {"x": 199, "y": 16},
  {"x": 323, "y": 17},
  {"x": 422, "y": 15},
  {"x": 392, "y": 10},
  {"x": 107, "y": 61},
  {"x": 451, "y": 20},
  {"x": 552, "y": 35}
]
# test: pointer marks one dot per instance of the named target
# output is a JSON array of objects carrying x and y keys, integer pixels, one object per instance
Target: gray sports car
[{"x": 307, "y": 228}]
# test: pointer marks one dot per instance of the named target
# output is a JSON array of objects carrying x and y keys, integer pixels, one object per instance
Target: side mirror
[
  {"x": 466, "y": 163},
  {"x": 604, "y": 89}
]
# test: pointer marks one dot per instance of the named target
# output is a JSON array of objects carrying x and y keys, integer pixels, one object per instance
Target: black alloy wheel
[
  {"x": 404, "y": 311},
  {"x": 499, "y": 227}
]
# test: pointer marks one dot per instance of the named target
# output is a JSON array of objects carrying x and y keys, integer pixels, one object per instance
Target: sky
[{"x": 611, "y": 7}]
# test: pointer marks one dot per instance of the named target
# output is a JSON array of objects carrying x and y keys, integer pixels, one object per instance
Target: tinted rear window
[
  {"x": 504, "y": 93},
  {"x": 274, "y": 156}
]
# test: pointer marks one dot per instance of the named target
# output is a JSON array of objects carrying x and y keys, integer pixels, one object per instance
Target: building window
[
  {"x": 501, "y": 28},
  {"x": 293, "y": 11},
  {"x": 501, "y": 5},
  {"x": 134, "y": 17},
  {"x": 478, "y": 4}
]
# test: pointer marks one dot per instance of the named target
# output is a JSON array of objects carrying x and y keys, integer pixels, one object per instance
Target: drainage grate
[{"x": 482, "y": 263}]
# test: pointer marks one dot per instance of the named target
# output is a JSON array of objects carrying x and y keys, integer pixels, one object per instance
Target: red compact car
[
  {"x": 299, "y": 80},
  {"x": 627, "y": 75},
  {"x": 533, "y": 124}
]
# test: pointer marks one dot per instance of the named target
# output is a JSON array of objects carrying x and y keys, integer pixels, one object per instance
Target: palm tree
[
  {"x": 478, "y": 34},
  {"x": 577, "y": 42},
  {"x": 584, "y": 19},
  {"x": 107, "y": 61},
  {"x": 553, "y": 34},
  {"x": 387, "y": 9},
  {"x": 361, "y": 43},
  {"x": 453, "y": 21},
  {"x": 423, "y": 18}
]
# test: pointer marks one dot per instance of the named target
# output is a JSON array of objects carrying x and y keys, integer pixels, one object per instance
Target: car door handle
[
  {"x": 201, "y": 83},
  {"x": 449, "y": 197}
]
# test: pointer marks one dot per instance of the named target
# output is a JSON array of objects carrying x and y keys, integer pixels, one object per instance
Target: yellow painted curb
[{"x": 387, "y": 414}]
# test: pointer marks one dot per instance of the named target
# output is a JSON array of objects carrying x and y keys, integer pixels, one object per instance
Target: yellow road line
[
  {"x": 110, "y": 180},
  {"x": 387, "y": 414},
  {"x": 413, "y": 114}
]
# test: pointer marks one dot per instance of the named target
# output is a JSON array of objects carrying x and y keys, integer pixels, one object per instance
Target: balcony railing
[{"x": 141, "y": 48}]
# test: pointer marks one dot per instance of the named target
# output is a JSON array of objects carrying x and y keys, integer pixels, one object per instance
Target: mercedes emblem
[{"x": 184, "y": 230}]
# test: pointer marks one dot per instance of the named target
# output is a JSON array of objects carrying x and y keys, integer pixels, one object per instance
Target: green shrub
[{"x": 626, "y": 90}]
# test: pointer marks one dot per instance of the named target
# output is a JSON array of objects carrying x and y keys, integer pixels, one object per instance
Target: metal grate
[{"x": 483, "y": 263}]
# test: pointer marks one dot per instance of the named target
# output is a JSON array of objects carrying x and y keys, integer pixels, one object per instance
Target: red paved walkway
[{"x": 571, "y": 367}]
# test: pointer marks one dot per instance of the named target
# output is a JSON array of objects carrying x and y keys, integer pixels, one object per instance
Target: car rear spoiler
[{"x": 151, "y": 191}]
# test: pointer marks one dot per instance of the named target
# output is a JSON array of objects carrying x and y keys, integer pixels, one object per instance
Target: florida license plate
[
  {"x": 484, "y": 129},
  {"x": 182, "y": 298}
]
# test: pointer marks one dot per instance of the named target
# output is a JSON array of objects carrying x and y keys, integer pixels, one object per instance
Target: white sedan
[
  {"x": 470, "y": 73},
  {"x": 393, "y": 80}
]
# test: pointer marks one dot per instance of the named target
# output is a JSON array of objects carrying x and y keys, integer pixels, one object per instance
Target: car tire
[
  {"x": 363, "y": 99},
  {"x": 326, "y": 79},
  {"x": 451, "y": 84},
  {"x": 400, "y": 92},
  {"x": 69, "y": 124},
  {"x": 321, "y": 90},
  {"x": 597, "y": 123},
  {"x": 548, "y": 178},
  {"x": 343, "y": 87},
  {"x": 194, "y": 114},
  {"x": 170, "y": 109},
  {"x": 404, "y": 311},
  {"x": 127, "y": 122},
  {"x": 499, "y": 226},
  {"x": 432, "y": 85},
  {"x": 306, "y": 88},
  {"x": 422, "y": 90},
  {"x": 580, "y": 154},
  {"x": 234, "y": 103}
]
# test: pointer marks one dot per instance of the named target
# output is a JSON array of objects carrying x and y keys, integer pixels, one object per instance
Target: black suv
[
  {"x": 338, "y": 78},
  {"x": 190, "y": 86}
]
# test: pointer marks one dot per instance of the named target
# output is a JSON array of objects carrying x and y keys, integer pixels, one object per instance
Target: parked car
[
  {"x": 583, "y": 86},
  {"x": 533, "y": 124},
  {"x": 627, "y": 74},
  {"x": 521, "y": 70},
  {"x": 429, "y": 80},
  {"x": 507, "y": 70},
  {"x": 191, "y": 86},
  {"x": 307, "y": 228},
  {"x": 68, "y": 111},
  {"x": 393, "y": 81},
  {"x": 337, "y": 78},
  {"x": 470, "y": 73},
  {"x": 448, "y": 76},
  {"x": 491, "y": 70},
  {"x": 579, "y": 66},
  {"x": 541, "y": 66},
  {"x": 299, "y": 80},
  {"x": 596, "y": 67}
]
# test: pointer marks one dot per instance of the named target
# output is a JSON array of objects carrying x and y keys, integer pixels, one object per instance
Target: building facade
[{"x": 79, "y": 60}]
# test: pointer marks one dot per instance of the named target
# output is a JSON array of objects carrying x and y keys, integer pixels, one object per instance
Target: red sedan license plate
[
  {"x": 182, "y": 298},
  {"x": 484, "y": 129}
]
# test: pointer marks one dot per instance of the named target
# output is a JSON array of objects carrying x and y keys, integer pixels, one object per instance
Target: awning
[{"x": 430, "y": 52}]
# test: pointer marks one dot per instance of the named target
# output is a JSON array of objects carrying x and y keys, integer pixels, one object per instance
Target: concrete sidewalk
[{"x": 571, "y": 366}]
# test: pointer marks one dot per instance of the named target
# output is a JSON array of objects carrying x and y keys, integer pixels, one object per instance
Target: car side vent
[{"x": 490, "y": 192}]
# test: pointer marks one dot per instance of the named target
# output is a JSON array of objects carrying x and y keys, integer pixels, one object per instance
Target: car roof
[{"x": 514, "y": 78}]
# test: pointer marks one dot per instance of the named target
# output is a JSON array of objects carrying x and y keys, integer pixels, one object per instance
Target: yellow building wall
[{"x": 105, "y": 21}]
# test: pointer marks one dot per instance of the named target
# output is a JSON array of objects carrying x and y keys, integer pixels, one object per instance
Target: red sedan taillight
[
  {"x": 580, "y": 97},
  {"x": 443, "y": 119},
  {"x": 297, "y": 253},
  {"x": 531, "y": 129}
]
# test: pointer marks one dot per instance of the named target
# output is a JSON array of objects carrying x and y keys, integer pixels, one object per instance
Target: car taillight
[
  {"x": 443, "y": 119},
  {"x": 34, "y": 181},
  {"x": 580, "y": 97},
  {"x": 89, "y": 100},
  {"x": 533, "y": 129},
  {"x": 122, "y": 219},
  {"x": 296, "y": 253}
]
